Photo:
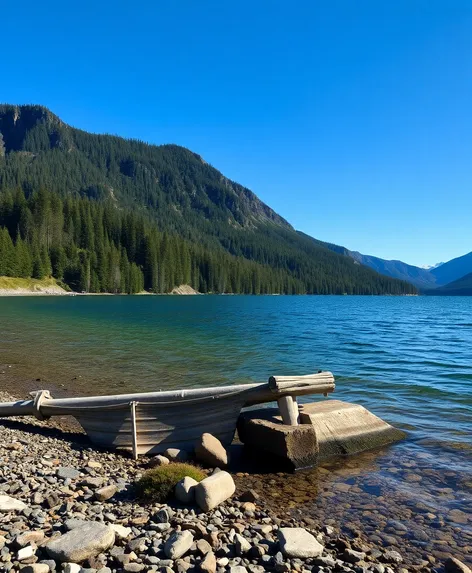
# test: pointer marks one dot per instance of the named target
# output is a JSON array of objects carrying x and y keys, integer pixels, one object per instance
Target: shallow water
[{"x": 408, "y": 359}]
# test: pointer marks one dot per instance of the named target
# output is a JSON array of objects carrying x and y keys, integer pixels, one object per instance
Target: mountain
[
  {"x": 433, "y": 277},
  {"x": 453, "y": 269},
  {"x": 421, "y": 278},
  {"x": 460, "y": 287},
  {"x": 103, "y": 213}
]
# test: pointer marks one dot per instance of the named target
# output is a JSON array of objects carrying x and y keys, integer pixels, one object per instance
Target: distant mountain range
[{"x": 452, "y": 277}]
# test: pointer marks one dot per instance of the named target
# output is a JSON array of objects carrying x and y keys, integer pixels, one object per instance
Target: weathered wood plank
[{"x": 320, "y": 383}]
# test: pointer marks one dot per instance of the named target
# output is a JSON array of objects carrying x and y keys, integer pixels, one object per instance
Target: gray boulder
[
  {"x": 68, "y": 473},
  {"x": 178, "y": 544},
  {"x": 213, "y": 490},
  {"x": 210, "y": 451},
  {"x": 299, "y": 543},
  {"x": 81, "y": 543}
]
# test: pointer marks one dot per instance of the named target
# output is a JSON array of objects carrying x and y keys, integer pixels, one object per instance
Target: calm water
[{"x": 408, "y": 359}]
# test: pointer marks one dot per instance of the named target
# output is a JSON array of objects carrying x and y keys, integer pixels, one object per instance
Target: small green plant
[{"x": 157, "y": 485}]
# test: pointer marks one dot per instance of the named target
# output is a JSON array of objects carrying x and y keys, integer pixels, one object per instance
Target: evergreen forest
[{"x": 104, "y": 214}]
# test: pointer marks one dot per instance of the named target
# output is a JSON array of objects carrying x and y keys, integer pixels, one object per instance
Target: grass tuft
[{"x": 157, "y": 485}]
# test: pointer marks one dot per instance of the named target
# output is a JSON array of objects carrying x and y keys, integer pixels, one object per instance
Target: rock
[
  {"x": 134, "y": 567},
  {"x": 29, "y": 537},
  {"x": 68, "y": 473},
  {"x": 176, "y": 455},
  {"x": 250, "y": 495},
  {"x": 453, "y": 565},
  {"x": 105, "y": 493},
  {"x": 457, "y": 516},
  {"x": 71, "y": 568},
  {"x": 242, "y": 544},
  {"x": 203, "y": 546},
  {"x": 391, "y": 557},
  {"x": 211, "y": 452},
  {"x": 351, "y": 556},
  {"x": 248, "y": 506},
  {"x": 121, "y": 531},
  {"x": 237, "y": 569},
  {"x": 178, "y": 544},
  {"x": 26, "y": 552},
  {"x": 53, "y": 500},
  {"x": 213, "y": 490},
  {"x": 8, "y": 504},
  {"x": 73, "y": 523},
  {"x": 185, "y": 490},
  {"x": 93, "y": 482},
  {"x": 81, "y": 543},
  {"x": 326, "y": 561},
  {"x": 36, "y": 568},
  {"x": 94, "y": 465},
  {"x": 208, "y": 564},
  {"x": 50, "y": 563},
  {"x": 299, "y": 543},
  {"x": 158, "y": 461},
  {"x": 222, "y": 562}
]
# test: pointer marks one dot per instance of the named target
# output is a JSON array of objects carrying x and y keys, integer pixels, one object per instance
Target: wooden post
[
  {"x": 134, "y": 430},
  {"x": 289, "y": 410}
]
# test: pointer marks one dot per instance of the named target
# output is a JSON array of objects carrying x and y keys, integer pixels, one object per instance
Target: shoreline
[{"x": 70, "y": 447}]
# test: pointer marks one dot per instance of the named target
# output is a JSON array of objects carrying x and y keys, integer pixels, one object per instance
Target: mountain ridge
[
  {"x": 437, "y": 276},
  {"x": 153, "y": 213}
]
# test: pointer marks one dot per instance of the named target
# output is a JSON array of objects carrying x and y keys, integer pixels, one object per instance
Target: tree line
[{"x": 95, "y": 247}]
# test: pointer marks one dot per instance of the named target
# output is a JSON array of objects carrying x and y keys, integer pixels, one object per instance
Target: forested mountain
[
  {"x": 461, "y": 287},
  {"x": 107, "y": 214},
  {"x": 421, "y": 278},
  {"x": 424, "y": 279}
]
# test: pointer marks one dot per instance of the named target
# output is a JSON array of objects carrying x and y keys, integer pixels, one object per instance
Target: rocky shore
[{"x": 66, "y": 506}]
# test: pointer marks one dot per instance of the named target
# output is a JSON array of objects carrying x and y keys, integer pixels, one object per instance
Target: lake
[{"x": 407, "y": 359}]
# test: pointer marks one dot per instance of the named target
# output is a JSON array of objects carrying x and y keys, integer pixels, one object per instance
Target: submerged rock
[{"x": 453, "y": 565}]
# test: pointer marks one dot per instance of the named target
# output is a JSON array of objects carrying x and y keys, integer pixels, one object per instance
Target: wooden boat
[{"x": 149, "y": 423}]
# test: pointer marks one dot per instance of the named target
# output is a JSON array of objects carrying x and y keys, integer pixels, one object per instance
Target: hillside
[
  {"x": 461, "y": 287},
  {"x": 104, "y": 213},
  {"x": 417, "y": 276},
  {"x": 453, "y": 270},
  {"x": 424, "y": 279}
]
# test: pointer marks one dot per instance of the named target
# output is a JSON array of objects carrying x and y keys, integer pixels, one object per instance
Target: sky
[{"x": 353, "y": 120}]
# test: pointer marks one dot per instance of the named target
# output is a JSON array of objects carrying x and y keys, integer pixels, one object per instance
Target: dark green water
[{"x": 408, "y": 359}]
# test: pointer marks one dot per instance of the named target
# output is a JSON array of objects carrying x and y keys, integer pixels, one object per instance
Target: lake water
[{"x": 408, "y": 359}]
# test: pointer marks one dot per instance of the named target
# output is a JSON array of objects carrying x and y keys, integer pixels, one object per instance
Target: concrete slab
[
  {"x": 262, "y": 429},
  {"x": 345, "y": 429}
]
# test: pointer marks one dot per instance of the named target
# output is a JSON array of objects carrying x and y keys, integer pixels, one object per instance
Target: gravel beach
[{"x": 53, "y": 482}]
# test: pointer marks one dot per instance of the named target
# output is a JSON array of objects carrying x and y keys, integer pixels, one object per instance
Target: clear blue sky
[{"x": 352, "y": 119}]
